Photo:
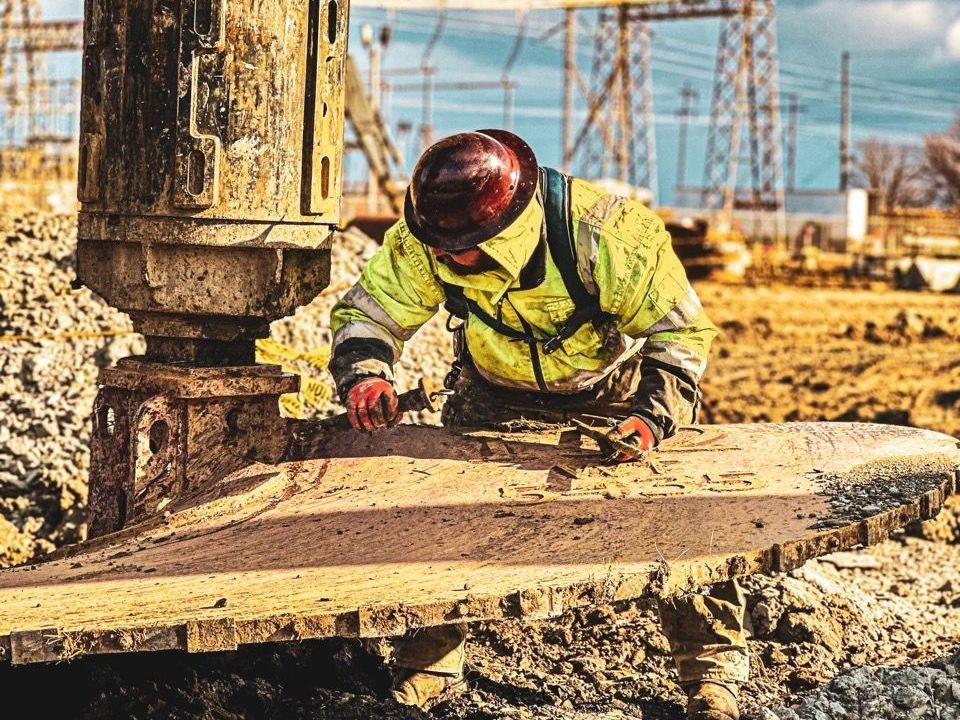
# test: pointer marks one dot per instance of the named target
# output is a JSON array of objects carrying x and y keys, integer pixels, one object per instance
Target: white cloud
[
  {"x": 873, "y": 24},
  {"x": 951, "y": 44}
]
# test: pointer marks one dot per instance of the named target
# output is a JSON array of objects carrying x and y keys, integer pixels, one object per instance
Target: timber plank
[{"x": 422, "y": 526}]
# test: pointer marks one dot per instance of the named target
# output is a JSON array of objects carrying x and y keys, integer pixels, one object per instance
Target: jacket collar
[{"x": 520, "y": 252}]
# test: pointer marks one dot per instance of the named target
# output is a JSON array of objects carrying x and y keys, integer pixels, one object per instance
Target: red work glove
[
  {"x": 636, "y": 432},
  {"x": 372, "y": 404}
]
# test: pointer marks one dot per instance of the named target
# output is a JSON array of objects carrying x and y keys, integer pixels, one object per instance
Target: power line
[{"x": 790, "y": 72}]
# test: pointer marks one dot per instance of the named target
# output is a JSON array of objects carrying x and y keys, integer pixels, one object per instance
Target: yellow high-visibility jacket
[{"x": 624, "y": 258}]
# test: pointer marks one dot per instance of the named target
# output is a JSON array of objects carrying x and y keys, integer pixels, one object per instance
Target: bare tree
[
  {"x": 894, "y": 172},
  {"x": 943, "y": 164}
]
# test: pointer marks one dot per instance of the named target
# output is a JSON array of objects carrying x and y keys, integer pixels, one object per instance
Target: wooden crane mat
[{"x": 422, "y": 526}]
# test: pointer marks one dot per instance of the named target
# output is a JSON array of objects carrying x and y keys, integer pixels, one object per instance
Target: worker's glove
[
  {"x": 372, "y": 404},
  {"x": 634, "y": 432}
]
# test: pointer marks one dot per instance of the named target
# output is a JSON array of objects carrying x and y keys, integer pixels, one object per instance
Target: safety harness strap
[{"x": 563, "y": 250}]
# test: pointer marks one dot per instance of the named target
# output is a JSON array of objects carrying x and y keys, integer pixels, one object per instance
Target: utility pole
[
  {"x": 506, "y": 81},
  {"x": 569, "y": 70},
  {"x": 687, "y": 96},
  {"x": 794, "y": 108},
  {"x": 623, "y": 115},
  {"x": 426, "y": 131},
  {"x": 426, "y": 126},
  {"x": 508, "y": 87},
  {"x": 844, "y": 121}
]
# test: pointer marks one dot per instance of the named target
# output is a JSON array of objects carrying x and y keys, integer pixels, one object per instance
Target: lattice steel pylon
[
  {"x": 745, "y": 101},
  {"x": 38, "y": 115},
  {"x": 617, "y": 139},
  {"x": 20, "y": 68},
  {"x": 745, "y": 88}
]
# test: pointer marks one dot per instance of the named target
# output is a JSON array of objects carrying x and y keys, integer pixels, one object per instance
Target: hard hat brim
[{"x": 526, "y": 189}]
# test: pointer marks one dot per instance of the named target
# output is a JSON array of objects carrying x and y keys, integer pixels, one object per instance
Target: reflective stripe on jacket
[{"x": 624, "y": 258}]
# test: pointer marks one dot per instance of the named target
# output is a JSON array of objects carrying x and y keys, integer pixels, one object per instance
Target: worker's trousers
[{"x": 705, "y": 631}]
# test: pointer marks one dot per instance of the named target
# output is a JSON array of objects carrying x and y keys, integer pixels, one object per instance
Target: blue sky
[{"x": 905, "y": 65}]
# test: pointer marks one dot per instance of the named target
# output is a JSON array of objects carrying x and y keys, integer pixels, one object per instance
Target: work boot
[
  {"x": 711, "y": 701},
  {"x": 425, "y": 690}
]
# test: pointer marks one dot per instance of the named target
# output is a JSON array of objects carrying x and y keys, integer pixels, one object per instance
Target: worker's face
[{"x": 466, "y": 262}]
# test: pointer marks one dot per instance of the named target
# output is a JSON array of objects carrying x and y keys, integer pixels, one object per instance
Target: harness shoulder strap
[
  {"x": 560, "y": 238},
  {"x": 563, "y": 250},
  {"x": 459, "y": 305}
]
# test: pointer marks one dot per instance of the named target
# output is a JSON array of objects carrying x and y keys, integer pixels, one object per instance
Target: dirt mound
[
  {"x": 795, "y": 354},
  {"x": 907, "y": 327}
]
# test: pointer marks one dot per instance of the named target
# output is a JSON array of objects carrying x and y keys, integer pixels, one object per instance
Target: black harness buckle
[{"x": 553, "y": 344}]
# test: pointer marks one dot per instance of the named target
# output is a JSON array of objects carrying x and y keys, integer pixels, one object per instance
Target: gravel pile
[
  {"x": 47, "y": 383},
  {"x": 929, "y": 692}
]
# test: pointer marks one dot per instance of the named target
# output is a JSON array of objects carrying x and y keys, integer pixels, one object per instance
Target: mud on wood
[{"x": 420, "y": 526}]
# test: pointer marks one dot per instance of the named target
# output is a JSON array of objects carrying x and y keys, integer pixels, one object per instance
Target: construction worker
[{"x": 571, "y": 302}]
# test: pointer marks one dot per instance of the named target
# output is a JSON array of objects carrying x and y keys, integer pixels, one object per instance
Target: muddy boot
[
  {"x": 711, "y": 701},
  {"x": 425, "y": 689}
]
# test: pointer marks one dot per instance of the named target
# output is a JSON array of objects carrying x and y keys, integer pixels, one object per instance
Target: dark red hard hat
[{"x": 469, "y": 187}]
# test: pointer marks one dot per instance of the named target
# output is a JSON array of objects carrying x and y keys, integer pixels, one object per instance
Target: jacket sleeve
[
  {"x": 650, "y": 294},
  {"x": 395, "y": 295}
]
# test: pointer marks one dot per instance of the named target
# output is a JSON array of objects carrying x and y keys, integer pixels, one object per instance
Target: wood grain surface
[{"x": 421, "y": 526}]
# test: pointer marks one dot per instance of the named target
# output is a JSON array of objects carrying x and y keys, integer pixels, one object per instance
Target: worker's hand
[
  {"x": 372, "y": 404},
  {"x": 635, "y": 432}
]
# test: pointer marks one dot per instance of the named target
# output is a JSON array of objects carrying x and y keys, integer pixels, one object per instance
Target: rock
[
  {"x": 909, "y": 693},
  {"x": 765, "y": 616},
  {"x": 852, "y": 560},
  {"x": 15, "y": 545}
]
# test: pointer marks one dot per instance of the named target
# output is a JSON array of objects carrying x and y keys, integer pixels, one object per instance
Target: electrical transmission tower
[
  {"x": 745, "y": 97},
  {"x": 37, "y": 114},
  {"x": 617, "y": 139},
  {"x": 20, "y": 73}
]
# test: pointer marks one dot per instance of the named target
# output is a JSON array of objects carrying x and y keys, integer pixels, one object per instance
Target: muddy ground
[{"x": 820, "y": 634}]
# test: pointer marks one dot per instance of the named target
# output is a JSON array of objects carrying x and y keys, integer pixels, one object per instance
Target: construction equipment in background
[
  {"x": 37, "y": 113},
  {"x": 373, "y": 139},
  {"x": 929, "y": 261},
  {"x": 913, "y": 248},
  {"x": 707, "y": 251}
]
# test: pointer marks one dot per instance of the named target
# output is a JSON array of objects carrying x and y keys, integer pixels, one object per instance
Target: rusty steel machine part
[
  {"x": 419, "y": 526},
  {"x": 159, "y": 431},
  {"x": 210, "y": 182}
]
